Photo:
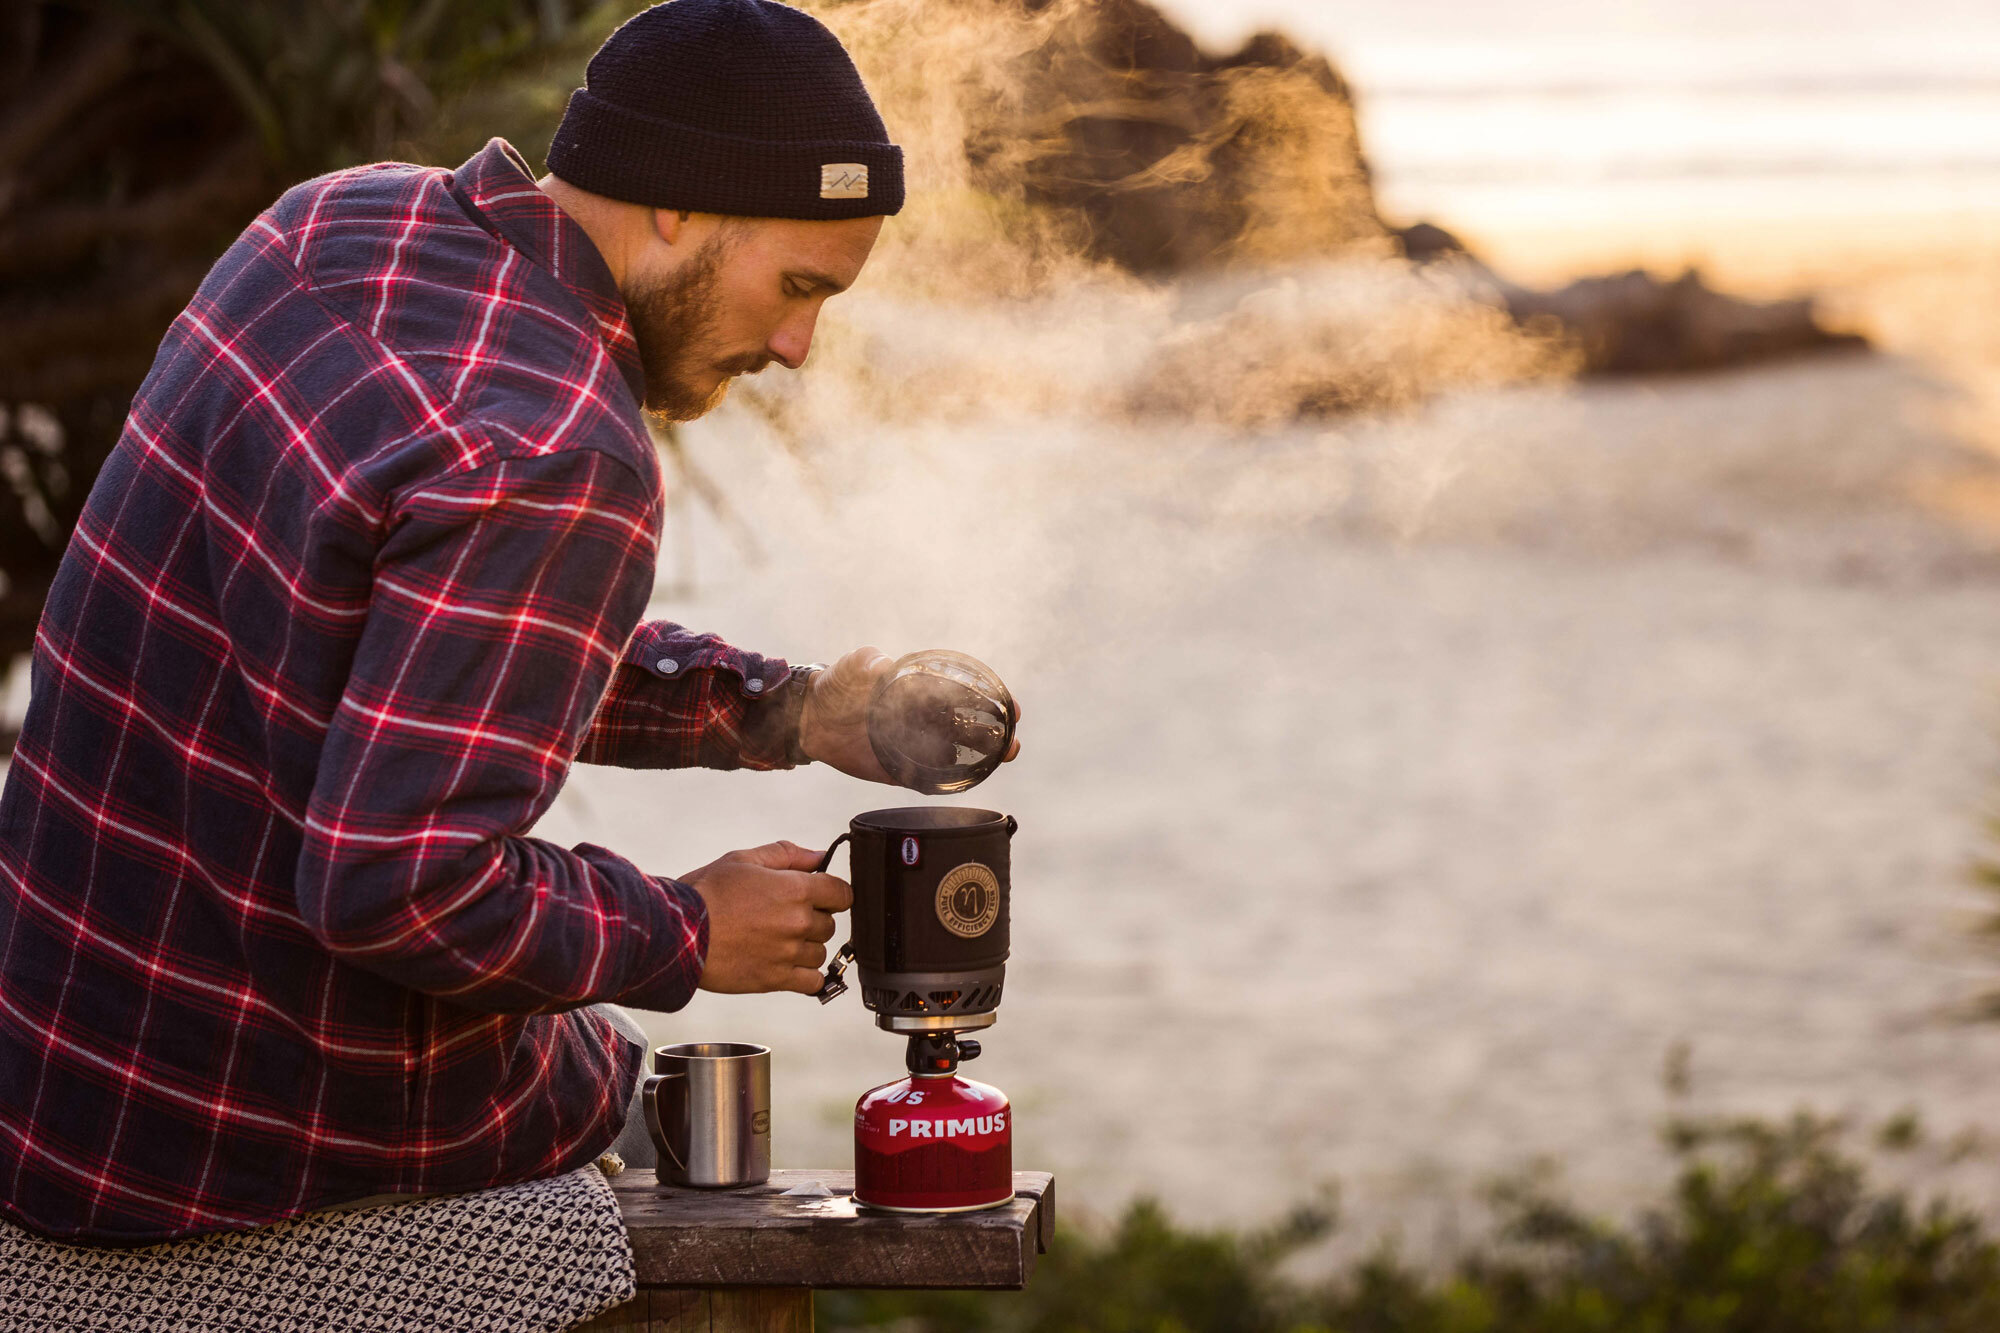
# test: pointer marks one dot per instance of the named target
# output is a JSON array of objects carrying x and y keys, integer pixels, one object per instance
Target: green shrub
[{"x": 1767, "y": 1229}]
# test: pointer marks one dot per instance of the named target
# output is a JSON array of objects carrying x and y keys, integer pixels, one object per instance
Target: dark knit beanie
[{"x": 729, "y": 106}]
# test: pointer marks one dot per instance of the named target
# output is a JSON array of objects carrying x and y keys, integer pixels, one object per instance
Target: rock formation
[{"x": 1172, "y": 160}]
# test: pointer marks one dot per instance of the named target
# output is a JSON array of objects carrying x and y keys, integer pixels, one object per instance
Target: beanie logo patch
[{"x": 843, "y": 180}]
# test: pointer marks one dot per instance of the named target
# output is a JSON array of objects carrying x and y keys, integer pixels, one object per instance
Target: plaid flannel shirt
[{"x": 362, "y": 578}]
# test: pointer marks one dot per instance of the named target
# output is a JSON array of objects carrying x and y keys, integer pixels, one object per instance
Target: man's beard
[{"x": 673, "y": 320}]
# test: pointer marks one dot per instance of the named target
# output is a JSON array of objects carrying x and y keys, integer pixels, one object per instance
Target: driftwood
[{"x": 1633, "y": 323}]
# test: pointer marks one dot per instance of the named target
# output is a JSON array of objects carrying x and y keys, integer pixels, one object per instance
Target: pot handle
[
  {"x": 834, "y": 987},
  {"x": 831, "y": 848},
  {"x": 1013, "y": 826}
]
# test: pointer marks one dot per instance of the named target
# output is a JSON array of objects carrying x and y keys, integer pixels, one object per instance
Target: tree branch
[
  {"x": 102, "y": 316},
  {"x": 51, "y": 237},
  {"x": 93, "y": 71},
  {"x": 61, "y": 379}
]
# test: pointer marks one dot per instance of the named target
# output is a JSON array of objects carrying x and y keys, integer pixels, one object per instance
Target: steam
[
  {"x": 988, "y": 375},
  {"x": 1357, "y": 336},
  {"x": 982, "y": 301}
]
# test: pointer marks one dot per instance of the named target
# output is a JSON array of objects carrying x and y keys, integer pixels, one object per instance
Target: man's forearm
[{"x": 517, "y": 926}]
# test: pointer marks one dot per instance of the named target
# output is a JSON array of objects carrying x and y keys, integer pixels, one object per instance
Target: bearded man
[{"x": 364, "y": 576}]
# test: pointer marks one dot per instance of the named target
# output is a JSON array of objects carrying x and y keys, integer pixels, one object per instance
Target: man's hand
[
  {"x": 769, "y": 919},
  {"x": 833, "y": 726}
]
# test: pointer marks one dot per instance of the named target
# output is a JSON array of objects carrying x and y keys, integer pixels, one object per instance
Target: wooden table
[{"x": 744, "y": 1260}]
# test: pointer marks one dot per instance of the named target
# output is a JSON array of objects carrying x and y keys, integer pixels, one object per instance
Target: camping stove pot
[
  {"x": 930, "y": 916},
  {"x": 934, "y": 1142}
]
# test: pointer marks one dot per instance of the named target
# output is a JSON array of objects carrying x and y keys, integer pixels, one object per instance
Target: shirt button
[
  {"x": 667, "y": 666},
  {"x": 754, "y": 686}
]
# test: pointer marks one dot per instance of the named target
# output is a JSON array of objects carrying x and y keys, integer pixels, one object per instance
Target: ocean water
[
  {"x": 1615, "y": 131},
  {"x": 1513, "y": 115}
]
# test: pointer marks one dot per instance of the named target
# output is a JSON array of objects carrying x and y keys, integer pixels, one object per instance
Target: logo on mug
[
  {"x": 968, "y": 900},
  {"x": 912, "y": 853}
]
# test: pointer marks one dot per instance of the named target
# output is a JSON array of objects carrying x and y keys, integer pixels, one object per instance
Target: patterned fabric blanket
[{"x": 530, "y": 1258}]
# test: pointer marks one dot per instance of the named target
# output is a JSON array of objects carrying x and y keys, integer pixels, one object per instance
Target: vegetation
[
  {"x": 137, "y": 137},
  {"x": 1768, "y": 1229},
  {"x": 1986, "y": 877}
]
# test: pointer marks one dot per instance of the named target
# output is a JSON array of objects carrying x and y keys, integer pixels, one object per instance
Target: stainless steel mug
[{"x": 708, "y": 1109}]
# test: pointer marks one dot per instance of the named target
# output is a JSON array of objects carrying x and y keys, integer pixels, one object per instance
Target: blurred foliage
[
  {"x": 1986, "y": 876},
  {"x": 329, "y": 83},
  {"x": 138, "y": 137},
  {"x": 1769, "y": 1228}
]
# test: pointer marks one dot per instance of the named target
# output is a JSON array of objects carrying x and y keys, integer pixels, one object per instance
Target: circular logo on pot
[{"x": 968, "y": 900}]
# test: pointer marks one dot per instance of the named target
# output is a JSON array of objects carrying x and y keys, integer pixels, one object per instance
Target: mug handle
[
  {"x": 834, "y": 987},
  {"x": 656, "y": 1123}
]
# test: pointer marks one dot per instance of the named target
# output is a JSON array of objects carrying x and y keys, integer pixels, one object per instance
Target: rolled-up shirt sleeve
[
  {"x": 504, "y": 597},
  {"x": 679, "y": 699}
]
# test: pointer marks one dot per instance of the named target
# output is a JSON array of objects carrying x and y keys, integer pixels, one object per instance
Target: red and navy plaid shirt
[{"x": 362, "y": 579}]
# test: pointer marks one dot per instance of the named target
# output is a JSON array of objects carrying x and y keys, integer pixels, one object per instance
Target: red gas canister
[{"x": 933, "y": 1143}]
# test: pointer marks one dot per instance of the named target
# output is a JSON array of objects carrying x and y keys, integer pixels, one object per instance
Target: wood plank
[
  {"x": 726, "y": 1310},
  {"x": 759, "y": 1310},
  {"x": 679, "y": 1311},
  {"x": 634, "y": 1316},
  {"x": 760, "y": 1236}
]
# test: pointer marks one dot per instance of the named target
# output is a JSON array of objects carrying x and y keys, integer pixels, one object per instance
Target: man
[{"x": 363, "y": 577}]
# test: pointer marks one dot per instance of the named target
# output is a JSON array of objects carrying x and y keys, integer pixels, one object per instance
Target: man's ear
[{"x": 667, "y": 224}]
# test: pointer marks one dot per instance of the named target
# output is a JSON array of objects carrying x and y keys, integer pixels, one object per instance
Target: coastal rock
[{"x": 1171, "y": 160}]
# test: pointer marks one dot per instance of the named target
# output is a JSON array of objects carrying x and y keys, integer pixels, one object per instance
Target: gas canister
[{"x": 934, "y": 1142}]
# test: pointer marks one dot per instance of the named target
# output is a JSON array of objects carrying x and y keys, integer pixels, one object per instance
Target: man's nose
[{"x": 794, "y": 339}]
